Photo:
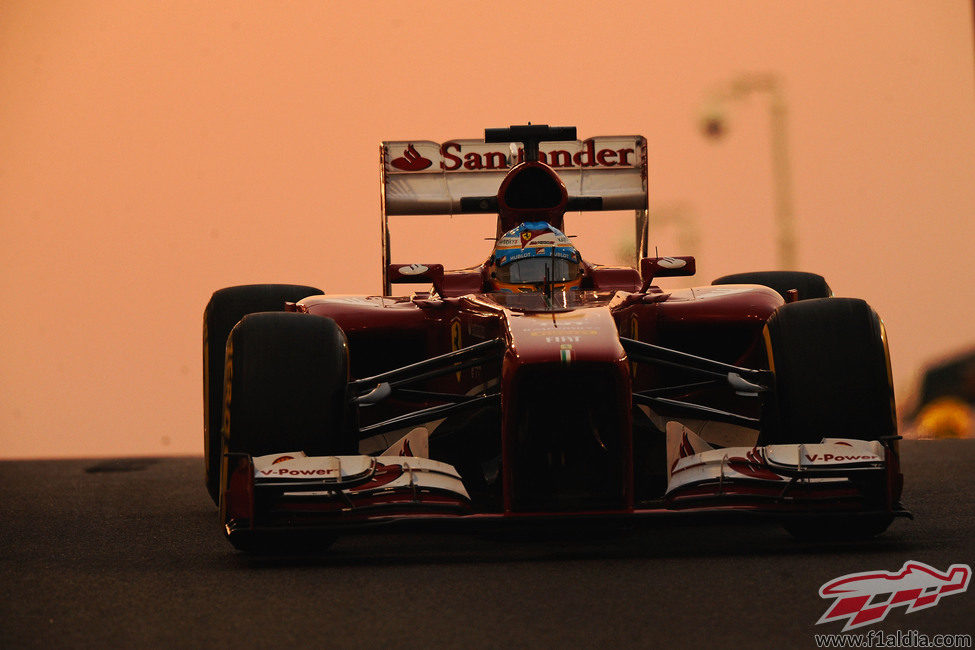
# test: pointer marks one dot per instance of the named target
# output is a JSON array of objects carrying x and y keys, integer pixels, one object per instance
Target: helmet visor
[{"x": 533, "y": 270}]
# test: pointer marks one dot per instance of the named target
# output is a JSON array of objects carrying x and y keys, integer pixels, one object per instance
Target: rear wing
[{"x": 463, "y": 176}]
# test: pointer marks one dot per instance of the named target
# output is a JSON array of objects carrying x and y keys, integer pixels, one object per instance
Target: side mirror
[
  {"x": 416, "y": 274},
  {"x": 665, "y": 267}
]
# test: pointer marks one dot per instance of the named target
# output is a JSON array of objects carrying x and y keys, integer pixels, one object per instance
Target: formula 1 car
[{"x": 539, "y": 386}]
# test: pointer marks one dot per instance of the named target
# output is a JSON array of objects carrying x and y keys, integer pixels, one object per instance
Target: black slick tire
[
  {"x": 286, "y": 389},
  {"x": 225, "y": 308},
  {"x": 832, "y": 373},
  {"x": 832, "y": 379},
  {"x": 809, "y": 285},
  {"x": 286, "y": 386}
]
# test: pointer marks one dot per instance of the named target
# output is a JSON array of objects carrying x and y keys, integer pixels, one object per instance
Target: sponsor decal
[
  {"x": 413, "y": 269},
  {"x": 478, "y": 156},
  {"x": 565, "y": 354},
  {"x": 562, "y": 339},
  {"x": 542, "y": 236},
  {"x": 633, "y": 329},
  {"x": 671, "y": 263},
  {"x": 281, "y": 459},
  {"x": 866, "y": 598},
  {"x": 455, "y": 159},
  {"x": 753, "y": 465},
  {"x": 456, "y": 342},
  {"x": 411, "y": 161},
  {"x": 542, "y": 239},
  {"x": 415, "y": 443},
  {"x": 300, "y": 473},
  {"x": 505, "y": 257},
  {"x": 683, "y": 451},
  {"x": 547, "y": 333},
  {"x": 384, "y": 474},
  {"x": 836, "y": 458}
]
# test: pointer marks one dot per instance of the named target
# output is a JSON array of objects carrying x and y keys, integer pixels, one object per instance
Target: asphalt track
[{"x": 128, "y": 553}]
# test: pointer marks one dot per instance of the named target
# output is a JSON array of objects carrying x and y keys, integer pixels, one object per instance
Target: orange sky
[{"x": 153, "y": 152}]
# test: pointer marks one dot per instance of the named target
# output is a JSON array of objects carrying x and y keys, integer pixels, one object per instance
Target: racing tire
[
  {"x": 832, "y": 379},
  {"x": 831, "y": 366},
  {"x": 225, "y": 309},
  {"x": 287, "y": 387},
  {"x": 809, "y": 285}
]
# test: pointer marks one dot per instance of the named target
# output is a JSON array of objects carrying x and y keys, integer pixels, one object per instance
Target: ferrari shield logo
[{"x": 456, "y": 342}]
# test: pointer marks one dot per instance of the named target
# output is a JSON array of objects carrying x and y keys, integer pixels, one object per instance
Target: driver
[{"x": 531, "y": 255}]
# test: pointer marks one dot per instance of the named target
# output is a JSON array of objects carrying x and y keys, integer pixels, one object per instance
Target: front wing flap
[
  {"x": 834, "y": 475},
  {"x": 292, "y": 491}
]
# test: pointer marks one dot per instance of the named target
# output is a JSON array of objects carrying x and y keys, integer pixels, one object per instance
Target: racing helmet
[{"x": 532, "y": 254}]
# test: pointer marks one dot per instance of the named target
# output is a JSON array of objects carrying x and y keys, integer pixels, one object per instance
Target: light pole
[{"x": 714, "y": 124}]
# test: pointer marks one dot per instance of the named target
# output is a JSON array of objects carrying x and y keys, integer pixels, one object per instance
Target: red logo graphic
[
  {"x": 411, "y": 161},
  {"x": 281, "y": 459},
  {"x": 406, "y": 450},
  {"x": 686, "y": 449},
  {"x": 527, "y": 236},
  {"x": 866, "y": 598},
  {"x": 753, "y": 465},
  {"x": 384, "y": 474}
]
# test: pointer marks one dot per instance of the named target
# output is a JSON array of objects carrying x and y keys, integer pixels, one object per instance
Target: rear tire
[
  {"x": 809, "y": 285},
  {"x": 225, "y": 309},
  {"x": 832, "y": 373}
]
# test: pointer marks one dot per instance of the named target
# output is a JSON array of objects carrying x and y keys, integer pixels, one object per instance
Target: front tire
[
  {"x": 286, "y": 387},
  {"x": 832, "y": 373},
  {"x": 832, "y": 380},
  {"x": 225, "y": 309}
]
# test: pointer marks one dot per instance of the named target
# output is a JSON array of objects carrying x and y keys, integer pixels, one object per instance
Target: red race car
[{"x": 539, "y": 386}]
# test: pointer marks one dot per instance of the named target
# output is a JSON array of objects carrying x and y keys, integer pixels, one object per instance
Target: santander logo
[
  {"x": 411, "y": 161},
  {"x": 866, "y": 598},
  {"x": 476, "y": 156}
]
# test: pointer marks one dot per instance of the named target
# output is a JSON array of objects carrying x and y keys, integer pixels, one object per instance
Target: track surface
[{"x": 129, "y": 553}]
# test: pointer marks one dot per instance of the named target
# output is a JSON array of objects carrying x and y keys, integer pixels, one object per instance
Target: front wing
[{"x": 344, "y": 494}]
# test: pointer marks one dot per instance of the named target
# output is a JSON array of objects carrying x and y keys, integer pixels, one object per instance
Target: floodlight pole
[{"x": 740, "y": 88}]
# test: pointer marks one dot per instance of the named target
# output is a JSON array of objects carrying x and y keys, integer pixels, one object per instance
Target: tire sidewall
[{"x": 832, "y": 373}]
